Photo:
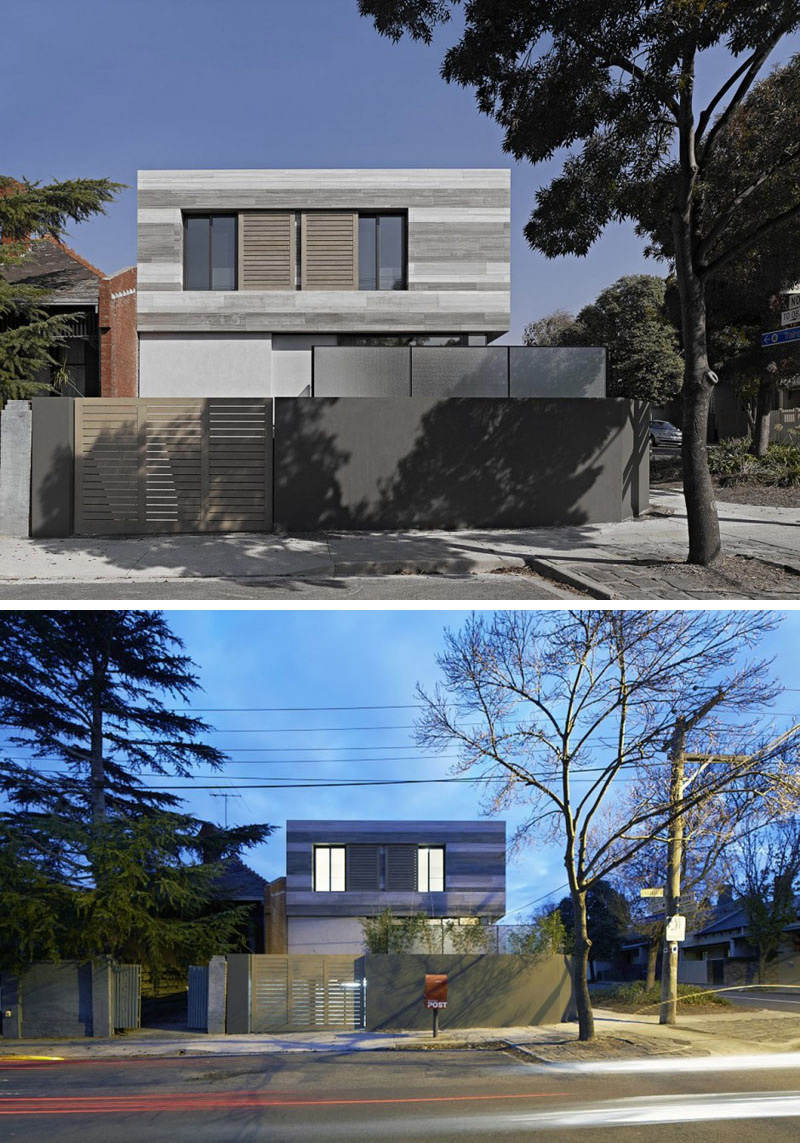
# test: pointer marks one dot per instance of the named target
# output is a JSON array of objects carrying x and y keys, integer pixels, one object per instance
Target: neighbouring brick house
[{"x": 100, "y": 357}]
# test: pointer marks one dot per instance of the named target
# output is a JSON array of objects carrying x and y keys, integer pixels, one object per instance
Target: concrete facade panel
[{"x": 204, "y": 365}]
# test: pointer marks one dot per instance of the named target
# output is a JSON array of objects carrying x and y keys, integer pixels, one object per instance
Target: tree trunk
[
  {"x": 652, "y": 962},
  {"x": 98, "y": 783},
  {"x": 580, "y": 964},
  {"x": 761, "y": 427},
  {"x": 698, "y": 385}
]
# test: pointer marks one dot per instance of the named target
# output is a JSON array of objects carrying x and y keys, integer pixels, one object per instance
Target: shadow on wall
[
  {"x": 363, "y": 463},
  {"x": 482, "y": 991}
]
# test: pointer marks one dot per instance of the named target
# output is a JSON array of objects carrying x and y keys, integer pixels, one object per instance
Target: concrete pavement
[
  {"x": 726, "y": 1034},
  {"x": 636, "y": 559}
]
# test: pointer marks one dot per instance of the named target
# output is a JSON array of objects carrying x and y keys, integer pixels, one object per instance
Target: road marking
[{"x": 118, "y": 1104}]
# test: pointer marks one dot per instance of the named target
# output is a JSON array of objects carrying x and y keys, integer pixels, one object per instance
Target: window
[
  {"x": 209, "y": 252},
  {"x": 329, "y": 868},
  {"x": 381, "y": 252},
  {"x": 430, "y": 869}
]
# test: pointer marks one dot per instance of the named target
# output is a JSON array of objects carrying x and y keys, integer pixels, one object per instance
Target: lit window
[
  {"x": 430, "y": 869},
  {"x": 329, "y": 868}
]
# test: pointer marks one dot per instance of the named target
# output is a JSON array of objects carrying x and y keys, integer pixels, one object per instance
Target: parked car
[{"x": 664, "y": 433}]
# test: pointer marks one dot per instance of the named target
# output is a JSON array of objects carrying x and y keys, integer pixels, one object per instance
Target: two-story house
[
  {"x": 242, "y": 272},
  {"x": 338, "y": 872}
]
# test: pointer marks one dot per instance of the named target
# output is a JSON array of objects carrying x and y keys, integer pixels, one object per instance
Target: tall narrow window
[
  {"x": 329, "y": 868},
  {"x": 209, "y": 252},
  {"x": 381, "y": 252},
  {"x": 430, "y": 869}
]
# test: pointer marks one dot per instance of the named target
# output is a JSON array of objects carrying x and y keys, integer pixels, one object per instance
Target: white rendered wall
[
  {"x": 291, "y": 362},
  {"x": 321, "y": 935},
  {"x": 204, "y": 365}
]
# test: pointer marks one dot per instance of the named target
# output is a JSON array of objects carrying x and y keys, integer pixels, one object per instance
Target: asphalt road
[
  {"x": 788, "y": 1001},
  {"x": 441, "y": 1097},
  {"x": 343, "y": 590}
]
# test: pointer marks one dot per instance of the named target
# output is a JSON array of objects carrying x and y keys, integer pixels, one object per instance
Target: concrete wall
[
  {"x": 458, "y": 250},
  {"x": 15, "y": 468},
  {"x": 204, "y": 365},
  {"x": 373, "y": 463},
  {"x": 332, "y": 935},
  {"x": 291, "y": 362},
  {"x": 70, "y": 998},
  {"x": 52, "y": 467},
  {"x": 482, "y": 991}
]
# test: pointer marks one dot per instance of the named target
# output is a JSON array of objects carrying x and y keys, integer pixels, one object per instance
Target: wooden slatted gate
[
  {"x": 173, "y": 464},
  {"x": 304, "y": 993}
]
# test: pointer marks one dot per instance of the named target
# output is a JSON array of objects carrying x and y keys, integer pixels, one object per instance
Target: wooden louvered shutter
[
  {"x": 363, "y": 870},
  {"x": 267, "y": 251},
  {"x": 401, "y": 867},
  {"x": 330, "y": 250}
]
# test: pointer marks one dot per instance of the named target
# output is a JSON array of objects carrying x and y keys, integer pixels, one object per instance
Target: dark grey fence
[
  {"x": 482, "y": 991},
  {"x": 197, "y": 1016},
  {"x": 127, "y": 980},
  {"x": 70, "y": 998},
  {"x": 383, "y": 463},
  {"x": 345, "y": 463}
]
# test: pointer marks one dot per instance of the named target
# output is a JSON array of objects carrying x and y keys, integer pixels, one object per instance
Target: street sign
[
  {"x": 789, "y": 316},
  {"x": 676, "y": 928},
  {"x": 778, "y": 336},
  {"x": 651, "y": 892}
]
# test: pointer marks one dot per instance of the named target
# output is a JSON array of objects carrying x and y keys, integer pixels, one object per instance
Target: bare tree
[
  {"x": 768, "y": 871},
  {"x": 560, "y": 709}
]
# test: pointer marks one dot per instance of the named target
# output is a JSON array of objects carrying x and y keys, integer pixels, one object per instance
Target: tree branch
[{"x": 749, "y": 240}]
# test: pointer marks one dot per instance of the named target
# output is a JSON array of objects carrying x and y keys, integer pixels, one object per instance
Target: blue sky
[
  {"x": 106, "y": 88},
  {"x": 350, "y": 658}
]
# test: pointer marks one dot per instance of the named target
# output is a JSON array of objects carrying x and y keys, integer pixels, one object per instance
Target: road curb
[{"x": 548, "y": 569}]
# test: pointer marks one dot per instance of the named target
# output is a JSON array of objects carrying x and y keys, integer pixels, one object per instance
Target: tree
[
  {"x": 630, "y": 319},
  {"x": 29, "y": 335},
  {"x": 618, "y": 86},
  {"x": 556, "y": 710},
  {"x": 545, "y": 934},
  {"x": 769, "y": 868},
  {"x": 608, "y": 918},
  {"x": 117, "y": 867},
  {"x": 386, "y": 933},
  {"x": 549, "y": 330}
]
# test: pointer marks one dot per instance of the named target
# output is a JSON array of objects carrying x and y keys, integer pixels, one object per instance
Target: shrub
[
  {"x": 635, "y": 997},
  {"x": 733, "y": 463}
]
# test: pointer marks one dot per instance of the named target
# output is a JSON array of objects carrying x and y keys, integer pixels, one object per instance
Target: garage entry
[
  {"x": 304, "y": 993},
  {"x": 163, "y": 464}
]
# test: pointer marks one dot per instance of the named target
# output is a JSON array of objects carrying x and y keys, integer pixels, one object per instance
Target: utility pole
[{"x": 672, "y": 889}]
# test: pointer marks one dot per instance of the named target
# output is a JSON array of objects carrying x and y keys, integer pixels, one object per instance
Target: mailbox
[{"x": 436, "y": 990}]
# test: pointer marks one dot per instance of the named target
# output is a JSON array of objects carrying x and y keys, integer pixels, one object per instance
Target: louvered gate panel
[
  {"x": 106, "y": 467},
  {"x": 269, "y": 993},
  {"x": 166, "y": 464},
  {"x": 305, "y": 993},
  {"x": 173, "y": 464},
  {"x": 239, "y": 465}
]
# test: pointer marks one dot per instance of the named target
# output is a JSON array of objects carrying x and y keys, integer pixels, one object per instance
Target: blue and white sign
[{"x": 777, "y": 336}]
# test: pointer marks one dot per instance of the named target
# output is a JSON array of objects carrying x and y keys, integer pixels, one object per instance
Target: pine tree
[
  {"x": 117, "y": 868},
  {"x": 29, "y": 335}
]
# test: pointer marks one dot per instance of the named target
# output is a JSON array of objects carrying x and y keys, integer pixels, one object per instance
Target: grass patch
[{"x": 634, "y": 997}]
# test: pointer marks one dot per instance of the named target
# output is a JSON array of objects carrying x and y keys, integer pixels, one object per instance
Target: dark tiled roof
[
  {"x": 239, "y": 882},
  {"x": 51, "y": 266}
]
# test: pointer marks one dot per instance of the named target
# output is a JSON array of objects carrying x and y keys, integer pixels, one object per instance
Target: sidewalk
[
  {"x": 636, "y": 559},
  {"x": 619, "y": 1037}
]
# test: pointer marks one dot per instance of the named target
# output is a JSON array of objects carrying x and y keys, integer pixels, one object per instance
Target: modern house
[
  {"x": 338, "y": 872},
  {"x": 242, "y": 272}
]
